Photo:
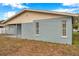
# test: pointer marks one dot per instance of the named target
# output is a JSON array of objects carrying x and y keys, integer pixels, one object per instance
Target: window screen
[
  {"x": 64, "y": 27},
  {"x": 37, "y": 27}
]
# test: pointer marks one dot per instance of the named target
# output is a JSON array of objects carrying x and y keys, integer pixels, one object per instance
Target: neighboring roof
[
  {"x": 1, "y": 24},
  {"x": 1, "y": 21},
  {"x": 40, "y": 11}
]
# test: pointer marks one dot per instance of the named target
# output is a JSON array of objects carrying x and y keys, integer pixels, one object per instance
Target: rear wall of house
[
  {"x": 50, "y": 30},
  {"x": 50, "y": 27}
]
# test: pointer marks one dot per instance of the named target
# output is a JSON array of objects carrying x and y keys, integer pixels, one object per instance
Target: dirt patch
[{"x": 20, "y": 47}]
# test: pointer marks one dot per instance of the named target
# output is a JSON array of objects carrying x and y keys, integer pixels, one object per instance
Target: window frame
[{"x": 64, "y": 28}]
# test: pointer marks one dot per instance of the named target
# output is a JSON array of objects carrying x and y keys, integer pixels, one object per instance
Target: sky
[{"x": 7, "y": 10}]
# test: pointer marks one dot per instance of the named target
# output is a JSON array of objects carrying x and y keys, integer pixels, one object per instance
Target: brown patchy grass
[{"x": 19, "y": 47}]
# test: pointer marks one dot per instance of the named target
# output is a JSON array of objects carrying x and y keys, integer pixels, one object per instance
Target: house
[{"x": 39, "y": 25}]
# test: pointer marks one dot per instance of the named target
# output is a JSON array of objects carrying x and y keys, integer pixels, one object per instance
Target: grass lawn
[{"x": 76, "y": 38}]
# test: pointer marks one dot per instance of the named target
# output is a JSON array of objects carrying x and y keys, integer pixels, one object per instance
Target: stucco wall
[
  {"x": 30, "y": 16},
  {"x": 27, "y": 30},
  {"x": 2, "y": 30},
  {"x": 10, "y": 29},
  {"x": 51, "y": 30}
]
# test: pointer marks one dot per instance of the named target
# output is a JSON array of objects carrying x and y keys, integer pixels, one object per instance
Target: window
[
  {"x": 64, "y": 27},
  {"x": 37, "y": 27}
]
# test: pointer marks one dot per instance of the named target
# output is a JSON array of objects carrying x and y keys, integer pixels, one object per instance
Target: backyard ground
[
  {"x": 76, "y": 38},
  {"x": 19, "y": 47}
]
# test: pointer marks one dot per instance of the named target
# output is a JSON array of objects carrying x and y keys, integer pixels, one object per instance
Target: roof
[
  {"x": 40, "y": 11},
  {"x": 1, "y": 21},
  {"x": 1, "y": 24}
]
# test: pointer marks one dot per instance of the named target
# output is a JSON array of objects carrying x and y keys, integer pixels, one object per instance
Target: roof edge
[{"x": 40, "y": 11}]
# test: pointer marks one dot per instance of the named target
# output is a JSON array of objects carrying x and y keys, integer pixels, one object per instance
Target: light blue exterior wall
[
  {"x": 10, "y": 29},
  {"x": 13, "y": 30},
  {"x": 27, "y": 30},
  {"x": 50, "y": 30}
]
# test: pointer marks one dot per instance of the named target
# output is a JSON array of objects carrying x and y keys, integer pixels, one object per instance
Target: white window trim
[
  {"x": 37, "y": 34},
  {"x": 64, "y": 37}
]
